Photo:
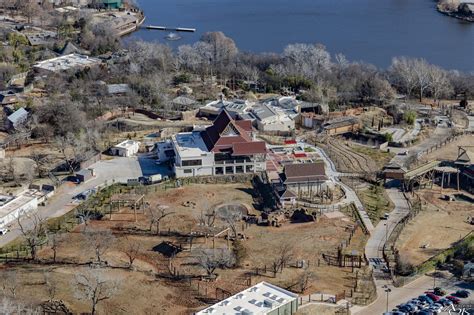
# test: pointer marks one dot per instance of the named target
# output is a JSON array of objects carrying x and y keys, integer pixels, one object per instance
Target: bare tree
[
  {"x": 211, "y": 259},
  {"x": 9, "y": 280},
  {"x": 155, "y": 215},
  {"x": 100, "y": 240},
  {"x": 85, "y": 216},
  {"x": 51, "y": 287},
  {"x": 207, "y": 217},
  {"x": 13, "y": 306},
  {"x": 33, "y": 229},
  {"x": 94, "y": 286},
  {"x": 402, "y": 74},
  {"x": 55, "y": 239},
  {"x": 304, "y": 280},
  {"x": 440, "y": 83},
  {"x": 132, "y": 250},
  {"x": 283, "y": 255},
  {"x": 230, "y": 215}
]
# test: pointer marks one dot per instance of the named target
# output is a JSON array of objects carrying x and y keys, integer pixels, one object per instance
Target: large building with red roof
[{"x": 224, "y": 148}]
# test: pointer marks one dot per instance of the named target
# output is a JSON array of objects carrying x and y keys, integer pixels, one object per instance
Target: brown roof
[
  {"x": 244, "y": 124},
  {"x": 248, "y": 148},
  {"x": 304, "y": 172},
  {"x": 217, "y": 139}
]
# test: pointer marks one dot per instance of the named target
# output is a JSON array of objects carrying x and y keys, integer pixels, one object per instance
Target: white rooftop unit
[{"x": 263, "y": 298}]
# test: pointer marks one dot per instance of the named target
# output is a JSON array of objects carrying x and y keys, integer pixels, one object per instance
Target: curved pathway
[{"x": 334, "y": 176}]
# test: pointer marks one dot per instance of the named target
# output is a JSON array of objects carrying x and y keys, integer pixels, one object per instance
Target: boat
[{"x": 172, "y": 36}]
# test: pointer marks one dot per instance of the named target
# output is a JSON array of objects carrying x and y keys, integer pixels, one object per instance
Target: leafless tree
[
  {"x": 12, "y": 306},
  {"x": 211, "y": 259},
  {"x": 33, "y": 229},
  {"x": 440, "y": 83},
  {"x": 85, "y": 216},
  {"x": 207, "y": 216},
  {"x": 132, "y": 250},
  {"x": 100, "y": 240},
  {"x": 51, "y": 287},
  {"x": 55, "y": 240},
  {"x": 155, "y": 215},
  {"x": 94, "y": 286},
  {"x": 305, "y": 279},
  {"x": 283, "y": 255},
  {"x": 231, "y": 215},
  {"x": 9, "y": 280},
  {"x": 402, "y": 74}
]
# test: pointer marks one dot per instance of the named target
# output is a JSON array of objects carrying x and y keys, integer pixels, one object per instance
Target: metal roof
[{"x": 18, "y": 116}]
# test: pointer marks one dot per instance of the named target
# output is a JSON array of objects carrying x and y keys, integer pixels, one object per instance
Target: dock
[{"x": 166, "y": 28}]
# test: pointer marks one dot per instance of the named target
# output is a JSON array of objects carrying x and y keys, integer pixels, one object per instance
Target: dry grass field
[
  {"x": 151, "y": 287},
  {"x": 438, "y": 226}
]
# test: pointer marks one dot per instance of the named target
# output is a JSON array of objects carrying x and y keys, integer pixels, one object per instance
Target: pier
[{"x": 166, "y": 28}]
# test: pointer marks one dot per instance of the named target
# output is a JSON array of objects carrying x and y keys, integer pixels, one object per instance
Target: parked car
[
  {"x": 424, "y": 312},
  {"x": 4, "y": 231},
  {"x": 462, "y": 293},
  {"x": 445, "y": 302},
  {"x": 385, "y": 216},
  {"x": 453, "y": 299},
  {"x": 436, "y": 308},
  {"x": 432, "y": 296},
  {"x": 426, "y": 299}
]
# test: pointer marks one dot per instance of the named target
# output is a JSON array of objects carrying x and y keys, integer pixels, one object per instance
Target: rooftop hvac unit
[
  {"x": 268, "y": 303},
  {"x": 246, "y": 312}
]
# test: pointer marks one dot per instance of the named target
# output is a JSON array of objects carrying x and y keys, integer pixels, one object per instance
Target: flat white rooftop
[
  {"x": 67, "y": 62},
  {"x": 14, "y": 204},
  {"x": 126, "y": 144},
  {"x": 190, "y": 144},
  {"x": 260, "y": 299}
]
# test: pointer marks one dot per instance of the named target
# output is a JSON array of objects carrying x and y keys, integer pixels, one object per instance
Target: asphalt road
[{"x": 107, "y": 171}]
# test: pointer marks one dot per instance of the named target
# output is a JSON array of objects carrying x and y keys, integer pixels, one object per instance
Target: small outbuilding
[
  {"x": 126, "y": 148},
  {"x": 17, "y": 118},
  {"x": 84, "y": 175},
  {"x": 8, "y": 97}
]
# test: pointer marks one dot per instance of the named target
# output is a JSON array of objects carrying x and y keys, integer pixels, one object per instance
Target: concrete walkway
[
  {"x": 107, "y": 171},
  {"x": 334, "y": 176}
]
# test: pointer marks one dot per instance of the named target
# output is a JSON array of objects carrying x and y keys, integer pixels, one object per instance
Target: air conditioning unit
[{"x": 268, "y": 303}]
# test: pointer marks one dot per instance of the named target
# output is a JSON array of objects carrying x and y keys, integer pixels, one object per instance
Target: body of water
[{"x": 373, "y": 31}]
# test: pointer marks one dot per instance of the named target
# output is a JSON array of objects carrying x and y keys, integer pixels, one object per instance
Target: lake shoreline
[{"x": 456, "y": 15}]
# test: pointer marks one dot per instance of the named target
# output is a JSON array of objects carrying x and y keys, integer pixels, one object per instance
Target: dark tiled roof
[
  {"x": 249, "y": 148},
  {"x": 304, "y": 172},
  {"x": 244, "y": 124},
  {"x": 217, "y": 142}
]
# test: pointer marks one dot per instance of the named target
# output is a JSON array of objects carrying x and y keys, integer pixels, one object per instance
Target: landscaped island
[{"x": 461, "y": 9}]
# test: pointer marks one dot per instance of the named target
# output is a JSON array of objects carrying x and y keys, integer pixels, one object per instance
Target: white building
[
  {"x": 261, "y": 299},
  {"x": 273, "y": 119},
  {"x": 213, "y": 108},
  {"x": 227, "y": 147},
  {"x": 67, "y": 62},
  {"x": 13, "y": 207},
  {"x": 126, "y": 148}
]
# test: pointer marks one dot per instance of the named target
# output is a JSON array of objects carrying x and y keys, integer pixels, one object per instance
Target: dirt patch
[
  {"x": 155, "y": 283},
  {"x": 437, "y": 227},
  {"x": 449, "y": 151}
]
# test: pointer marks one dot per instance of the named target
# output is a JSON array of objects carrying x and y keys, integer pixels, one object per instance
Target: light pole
[{"x": 387, "y": 290}]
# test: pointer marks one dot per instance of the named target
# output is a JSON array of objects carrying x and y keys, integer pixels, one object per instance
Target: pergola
[{"x": 132, "y": 200}]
